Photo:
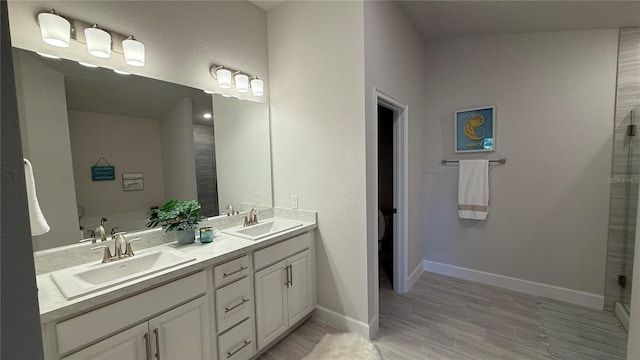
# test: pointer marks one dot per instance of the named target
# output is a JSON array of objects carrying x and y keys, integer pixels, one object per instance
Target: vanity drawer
[
  {"x": 237, "y": 343},
  {"x": 281, "y": 250},
  {"x": 230, "y": 271},
  {"x": 233, "y": 304}
]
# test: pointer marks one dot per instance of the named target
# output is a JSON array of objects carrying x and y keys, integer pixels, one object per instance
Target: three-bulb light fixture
[
  {"x": 57, "y": 31},
  {"x": 226, "y": 78}
]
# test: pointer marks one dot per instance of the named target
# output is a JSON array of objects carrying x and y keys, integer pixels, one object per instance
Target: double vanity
[{"x": 229, "y": 299}]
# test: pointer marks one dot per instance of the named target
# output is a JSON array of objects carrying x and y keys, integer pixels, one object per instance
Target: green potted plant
[{"x": 179, "y": 216}]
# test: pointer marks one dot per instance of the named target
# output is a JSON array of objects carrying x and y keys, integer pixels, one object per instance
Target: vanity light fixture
[
  {"x": 58, "y": 31},
  {"x": 242, "y": 81},
  {"x": 207, "y": 115},
  {"x": 133, "y": 51},
  {"x": 49, "y": 56},
  {"x": 121, "y": 72},
  {"x": 87, "y": 64},
  {"x": 54, "y": 29},
  {"x": 98, "y": 42}
]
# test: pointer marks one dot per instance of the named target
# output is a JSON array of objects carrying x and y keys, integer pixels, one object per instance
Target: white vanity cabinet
[
  {"x": 171, "y": 321},
  {"x": 284, "y": 287},
  {"x": 180, "y": 333}
]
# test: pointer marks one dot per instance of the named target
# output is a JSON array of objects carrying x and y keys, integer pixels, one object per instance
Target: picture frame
[
  {"x": 475, "y": 130},
  {"x": 132, "y": 182}
]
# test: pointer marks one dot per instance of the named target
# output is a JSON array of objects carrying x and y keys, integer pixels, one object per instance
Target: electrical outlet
[{"x": 294, "y": 201}]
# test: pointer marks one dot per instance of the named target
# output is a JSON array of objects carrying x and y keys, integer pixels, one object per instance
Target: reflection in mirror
[{"x": 164, "y": 141}]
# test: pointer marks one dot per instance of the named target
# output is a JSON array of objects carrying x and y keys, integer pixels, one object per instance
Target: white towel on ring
[{"x": 39, "y": 224}]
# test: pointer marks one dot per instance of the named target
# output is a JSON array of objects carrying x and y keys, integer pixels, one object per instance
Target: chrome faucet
[
  {"x": 118, "y": 240},
  {"x": 230, "y": 210},
  {"x": 252, "y": 218}
]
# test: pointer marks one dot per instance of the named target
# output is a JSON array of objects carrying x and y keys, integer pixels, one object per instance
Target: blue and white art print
[{"x": 475, "y": 130}]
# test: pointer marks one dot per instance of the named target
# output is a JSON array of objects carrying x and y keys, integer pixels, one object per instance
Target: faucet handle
[
  {"x": 113, "y": 230},
  {"x": 106, "y": 257},
  {"x": 129, "y": 250}
]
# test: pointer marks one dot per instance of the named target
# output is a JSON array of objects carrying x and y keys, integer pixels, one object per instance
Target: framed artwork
[
  {"x": 132, "y": 182},
  {"x": 475, "y": 130}
]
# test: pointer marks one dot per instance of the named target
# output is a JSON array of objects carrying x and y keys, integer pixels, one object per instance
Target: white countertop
[{"x": 54, "y": 306}]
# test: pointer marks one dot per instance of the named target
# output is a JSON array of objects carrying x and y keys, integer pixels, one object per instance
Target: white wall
[
  {"x": 182, "y": 38},
  {"x": 132, "y": 145},
  {"x": 549, "y": 205},
  {"x": 243, "y": 160},
  {"x": 394, "y": 64},
  {"x": 45, "y": 136},
  {"x": 179, "y": 166},
  {"x": 316, "y": 63}
]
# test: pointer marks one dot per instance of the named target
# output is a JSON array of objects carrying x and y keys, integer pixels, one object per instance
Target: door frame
[{"x": 400, "y": 196}]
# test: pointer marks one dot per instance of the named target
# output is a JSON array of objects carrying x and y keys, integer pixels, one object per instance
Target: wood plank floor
[{"x": 442, "y": 318}]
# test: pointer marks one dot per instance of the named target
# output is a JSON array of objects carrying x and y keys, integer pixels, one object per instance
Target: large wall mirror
[{"x": 163, "y": 140}]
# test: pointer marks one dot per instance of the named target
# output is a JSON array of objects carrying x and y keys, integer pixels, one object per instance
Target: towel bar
[{"x": 499, "y": 161}]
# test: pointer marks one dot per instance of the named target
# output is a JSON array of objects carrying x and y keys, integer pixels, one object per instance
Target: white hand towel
[
  {"x": 39, "y": 224},
  {"x": 473, "y": 189}
]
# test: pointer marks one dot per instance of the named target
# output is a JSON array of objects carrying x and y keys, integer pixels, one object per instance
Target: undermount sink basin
[
  {"x": 261, "y": 230},
  {"x": 84, "y": 279}
]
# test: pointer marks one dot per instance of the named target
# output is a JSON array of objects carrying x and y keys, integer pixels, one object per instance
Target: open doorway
[
  {"x": 391, "y": 161},
  {"x": 386, "y": 208}
]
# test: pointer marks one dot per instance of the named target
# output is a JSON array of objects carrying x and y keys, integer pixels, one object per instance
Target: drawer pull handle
[
  {"x": 147, "y": 344},
  {"x": 231, "y": 353},
  {"x": 242, "y": 268},
  {"x": 155, "y": 332},
  {"x": 229, "y": 309}
]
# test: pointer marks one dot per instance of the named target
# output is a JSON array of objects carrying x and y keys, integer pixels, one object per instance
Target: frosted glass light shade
[
  {"x": 242, "y": 83},
  {"x": 133, "y": 52},
  {"x": 98, "y": 42},
  {"x": 54, "y": 29},
  {"x": 224, "y": 78},
  {"x": 257, "y": 87}
]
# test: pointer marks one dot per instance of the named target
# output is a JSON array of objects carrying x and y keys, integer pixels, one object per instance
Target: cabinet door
[
  {"x": 299, "y": 293},
  {"x": 129, "y": 344},
  {"x": 271, "y": 303},
  {"x": 182, "y": 333}
]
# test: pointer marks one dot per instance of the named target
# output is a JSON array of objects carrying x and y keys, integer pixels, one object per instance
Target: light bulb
[
  {"x": 133, "y": 52},
  {"x": 224, "y": 78},
  {"x": 54, "y": 29},
  {"x": 242, "y": 83},
  {"x": 257, "y": 87},
  {"x": 98, "y": 42}
]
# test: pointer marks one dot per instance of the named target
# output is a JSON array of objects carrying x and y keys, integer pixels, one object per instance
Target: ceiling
[
  {"x": 435, "y": 19},
  {"x": 267, "y": 5}
]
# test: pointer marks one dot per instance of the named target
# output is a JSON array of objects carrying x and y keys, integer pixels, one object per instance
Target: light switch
[{"x": 294, "y": 201}]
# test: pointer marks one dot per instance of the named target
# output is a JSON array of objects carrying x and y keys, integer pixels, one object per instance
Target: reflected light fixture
[
  {"x": 87, "y": 64},
  {"x": 133, "y": 51},
  {"x": 49, "y": 56},
  {"x": 54, "y": 29},
  {"x": 121, "y": 72},
  {"x": 207, "y": 115},
  {"x": 98, "y": 41},
  {"x": 224, "y": 77},
  {"x": 257, "y": 86},
  {"x": 242, "y": 82},
  {"x": 208, "y": 92}
]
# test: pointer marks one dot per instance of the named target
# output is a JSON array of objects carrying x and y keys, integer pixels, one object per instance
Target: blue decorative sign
[
  {"x": 475, "y": 130},
  {"x": 103, "y": 173}
]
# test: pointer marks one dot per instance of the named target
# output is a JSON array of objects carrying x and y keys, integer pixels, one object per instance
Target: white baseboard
[
  {"x": 622, "y": 315},
  {"x": 414, "y": 276},
  {"x": 577, "y": 297},
  {"x": 341, "y": 321},
  {"x": 374, "y": 324}
]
